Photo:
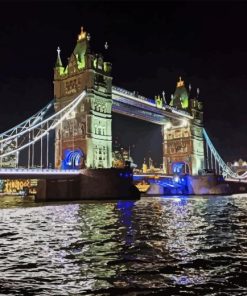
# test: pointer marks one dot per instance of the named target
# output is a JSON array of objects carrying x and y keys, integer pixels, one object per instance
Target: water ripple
[{"x": 158, "y": 246}]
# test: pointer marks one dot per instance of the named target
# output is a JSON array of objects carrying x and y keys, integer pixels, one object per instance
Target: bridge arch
[
  {"x": 180, "y": 167},
  {"x": 73, "y": 159}
]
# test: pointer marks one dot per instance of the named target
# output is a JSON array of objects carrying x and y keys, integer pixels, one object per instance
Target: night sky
[{"x": 151, "y": 44}]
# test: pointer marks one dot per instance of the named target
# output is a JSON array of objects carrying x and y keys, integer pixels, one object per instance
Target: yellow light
[
  {"x": 82, "y": 35},
  {"x": 180, "y": 82}
]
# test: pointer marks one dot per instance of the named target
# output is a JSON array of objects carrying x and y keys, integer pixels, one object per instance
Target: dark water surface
[{"x": 154, "y": 246}]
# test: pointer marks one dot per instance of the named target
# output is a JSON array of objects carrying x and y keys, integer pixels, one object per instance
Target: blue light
[
  {"x": 126, "y": 212},
  {"x": 178, "y": 167},
  {"x": 72, "y": 159}
]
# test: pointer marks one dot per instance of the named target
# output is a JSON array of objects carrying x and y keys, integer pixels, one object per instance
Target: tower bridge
[{"x": 84, "y": 99}]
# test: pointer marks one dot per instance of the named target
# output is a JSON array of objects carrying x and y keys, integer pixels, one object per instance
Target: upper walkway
[{"x": 133, "y": 105}]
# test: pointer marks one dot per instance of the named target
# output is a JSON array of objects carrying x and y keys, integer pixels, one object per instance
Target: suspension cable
[
  {"x": 70, "y": 107},
  {"x": 28, "y": 122},
  {"x": 53, "y": 122},
  {"x": 221, "y": 164}
]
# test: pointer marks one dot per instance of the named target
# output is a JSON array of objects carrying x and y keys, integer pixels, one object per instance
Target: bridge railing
[{"x": 36, "y": 171}]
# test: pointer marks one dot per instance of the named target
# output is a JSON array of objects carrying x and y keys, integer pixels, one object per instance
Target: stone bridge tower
[
  {"x": 85, "y": 138},
  {"x": 183, "y": 145}
]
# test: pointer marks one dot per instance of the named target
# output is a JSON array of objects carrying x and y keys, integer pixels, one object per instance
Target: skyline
[{"x": 148, "y": 55}]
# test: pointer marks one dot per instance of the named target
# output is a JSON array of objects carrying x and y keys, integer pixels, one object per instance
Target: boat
[{"x": 143, "y": 186}]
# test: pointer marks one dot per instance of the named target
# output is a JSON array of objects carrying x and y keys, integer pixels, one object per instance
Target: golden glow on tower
[
  {"x": 180, "y": 82},
  {"x": 82, "y": 35}
]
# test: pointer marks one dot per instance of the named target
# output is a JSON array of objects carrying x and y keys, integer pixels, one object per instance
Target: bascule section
[
  {"x": 183, "y": 145},
  {"x": 84, "y": 138}
]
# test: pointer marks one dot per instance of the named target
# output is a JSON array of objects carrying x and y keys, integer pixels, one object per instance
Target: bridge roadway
[{"x": 36, "y": 173}]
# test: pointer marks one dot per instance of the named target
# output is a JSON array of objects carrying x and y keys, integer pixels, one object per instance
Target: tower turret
[
  {"x": 180, "y": 98},
  {"x": 58, "y": 70},
  {"x": 183, "y": 139},
  {"x": 82, "y": 47},
  {"x": 88, "y": 134}
]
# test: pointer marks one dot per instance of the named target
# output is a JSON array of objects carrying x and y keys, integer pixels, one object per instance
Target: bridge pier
[
  {"x": 58, "y": 189},
  {"x": 91, "y": 184}
]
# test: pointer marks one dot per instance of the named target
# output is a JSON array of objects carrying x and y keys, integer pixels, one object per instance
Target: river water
[{"x": 154, "y": 246}]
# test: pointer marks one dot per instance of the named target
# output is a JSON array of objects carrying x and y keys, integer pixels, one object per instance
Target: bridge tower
[
  {"x": 84, "y": 139},
  {"x": 183, "y": 147}
]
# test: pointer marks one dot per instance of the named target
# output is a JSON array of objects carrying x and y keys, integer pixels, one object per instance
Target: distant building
[
  {"x": 150, "y": 168},
  {"x": 239, "y": 166},
  {"x": 120, "y": 155}
]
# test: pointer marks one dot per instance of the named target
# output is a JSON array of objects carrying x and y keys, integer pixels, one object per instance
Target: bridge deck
[{"x": 21, "y": 173}]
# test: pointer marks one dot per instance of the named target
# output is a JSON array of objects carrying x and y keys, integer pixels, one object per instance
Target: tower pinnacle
[
  {"x": 82, "y": 35},
  {"x": 180, "y": 82},
  {"x": 58, "y": 62},
  {"x": 58, "y": 50}
]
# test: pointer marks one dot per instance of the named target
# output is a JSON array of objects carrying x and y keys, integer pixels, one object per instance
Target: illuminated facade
[
  {"x": 183, "y": 147},
  {"x": 84, "y": 139}
]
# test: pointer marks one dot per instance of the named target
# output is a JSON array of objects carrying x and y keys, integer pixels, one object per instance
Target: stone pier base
[
  {"x": 90, "y": 184},
  {"x": 208, "y": 184},
  {"x": 196, "y": 185}
]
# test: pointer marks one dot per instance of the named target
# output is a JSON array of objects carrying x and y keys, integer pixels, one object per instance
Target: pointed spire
[
  {"x": 197, "y": 92},
  {"x": 164, "y": 97},
  {"x": 58, "y": 61}
]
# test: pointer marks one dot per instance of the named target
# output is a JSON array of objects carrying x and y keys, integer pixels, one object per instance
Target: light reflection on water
[{"x": 176, "y": 246}]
